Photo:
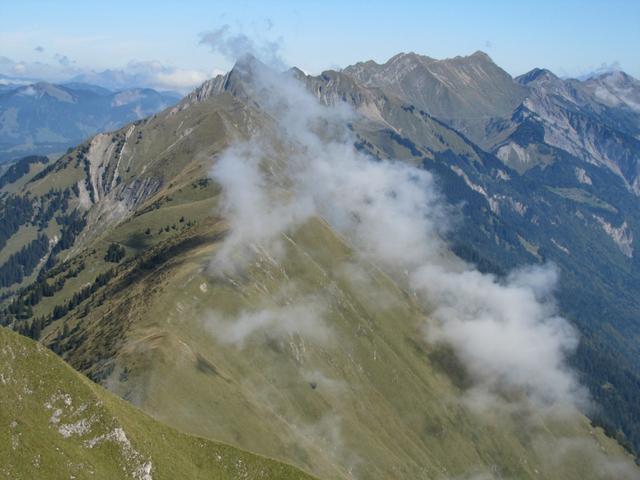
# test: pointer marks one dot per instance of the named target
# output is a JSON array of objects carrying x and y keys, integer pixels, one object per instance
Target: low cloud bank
[{"x": 135, "y": 74}]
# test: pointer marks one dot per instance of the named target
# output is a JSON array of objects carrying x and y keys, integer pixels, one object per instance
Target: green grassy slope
[
  {"x": 355, "y": 394},
  {"x": 56, "y": 424}
]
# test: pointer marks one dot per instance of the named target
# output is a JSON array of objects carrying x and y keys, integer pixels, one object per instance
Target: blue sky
[{"x": 568, "y": 37}]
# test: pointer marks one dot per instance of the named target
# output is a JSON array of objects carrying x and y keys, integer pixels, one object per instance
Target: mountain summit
[{"x": 460, "y": 88}]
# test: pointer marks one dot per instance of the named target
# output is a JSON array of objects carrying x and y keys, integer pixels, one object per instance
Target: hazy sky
[{"x": 64, "y": 37}]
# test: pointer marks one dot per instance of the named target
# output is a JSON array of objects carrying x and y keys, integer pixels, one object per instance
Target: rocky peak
[
  {"x": 615, "y": 89},
  {"x": 234, "y": 81},
  {"x": 469, "y": 87},
  {"x": 480, "y": 55},
  {"x": 543, "y": 82},
  {"x": 408, "y": 58},
  {"x": 537, "y": 75}
]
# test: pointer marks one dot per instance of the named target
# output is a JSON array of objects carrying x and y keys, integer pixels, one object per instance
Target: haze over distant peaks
[{"x": 47, "y": 118}]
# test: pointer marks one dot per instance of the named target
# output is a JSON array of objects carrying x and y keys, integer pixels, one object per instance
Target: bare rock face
[
  {"x": 571, "y": 123},
  {"x": 457, "y": 89}
]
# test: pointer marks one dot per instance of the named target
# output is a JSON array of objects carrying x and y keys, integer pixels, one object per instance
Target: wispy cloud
[
  {"x": 591, "y": 70},
  {"x": 506, "y": 331},
  {"x": 304, "y": 318},
  {"x": 233, "y": 45},
  {"x": 63, "y": 60}
]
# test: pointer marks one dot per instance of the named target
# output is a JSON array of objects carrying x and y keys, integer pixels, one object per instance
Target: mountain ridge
[{"x": 132, "y": 324}]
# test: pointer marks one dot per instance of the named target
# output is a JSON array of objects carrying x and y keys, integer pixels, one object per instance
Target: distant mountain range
[
  {"x": 309, "y": 347},
  {"x": 43, "y": 118},
  {"x": 52, "y": 413}
]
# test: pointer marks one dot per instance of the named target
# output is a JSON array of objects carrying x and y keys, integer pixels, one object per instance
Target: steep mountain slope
[
  {"x": 311, "y": 352},
  {"x": 56, "y": 424},
  {"x": 44, "y": 118},
  {"x": 356, "y": 394},
  {"x": 565, "y": 193}
]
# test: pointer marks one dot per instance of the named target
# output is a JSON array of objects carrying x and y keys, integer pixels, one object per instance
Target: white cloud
[
  {"x": 55, "y": 71},
  {"x": 29, "y": 91},
  {"x": 152, "y": 74},
  {"x": 303, "y": 318},
  {"x": 583, "y": 73},
  {"x": 507, "y": 333},
  {"x": 63, "y": 60},
  {"x": 19, "y": 69},
  {"x": 590, "y": 458},
  {"x": 134, "y": 74},
  {"x": 180, "y": 79}
]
